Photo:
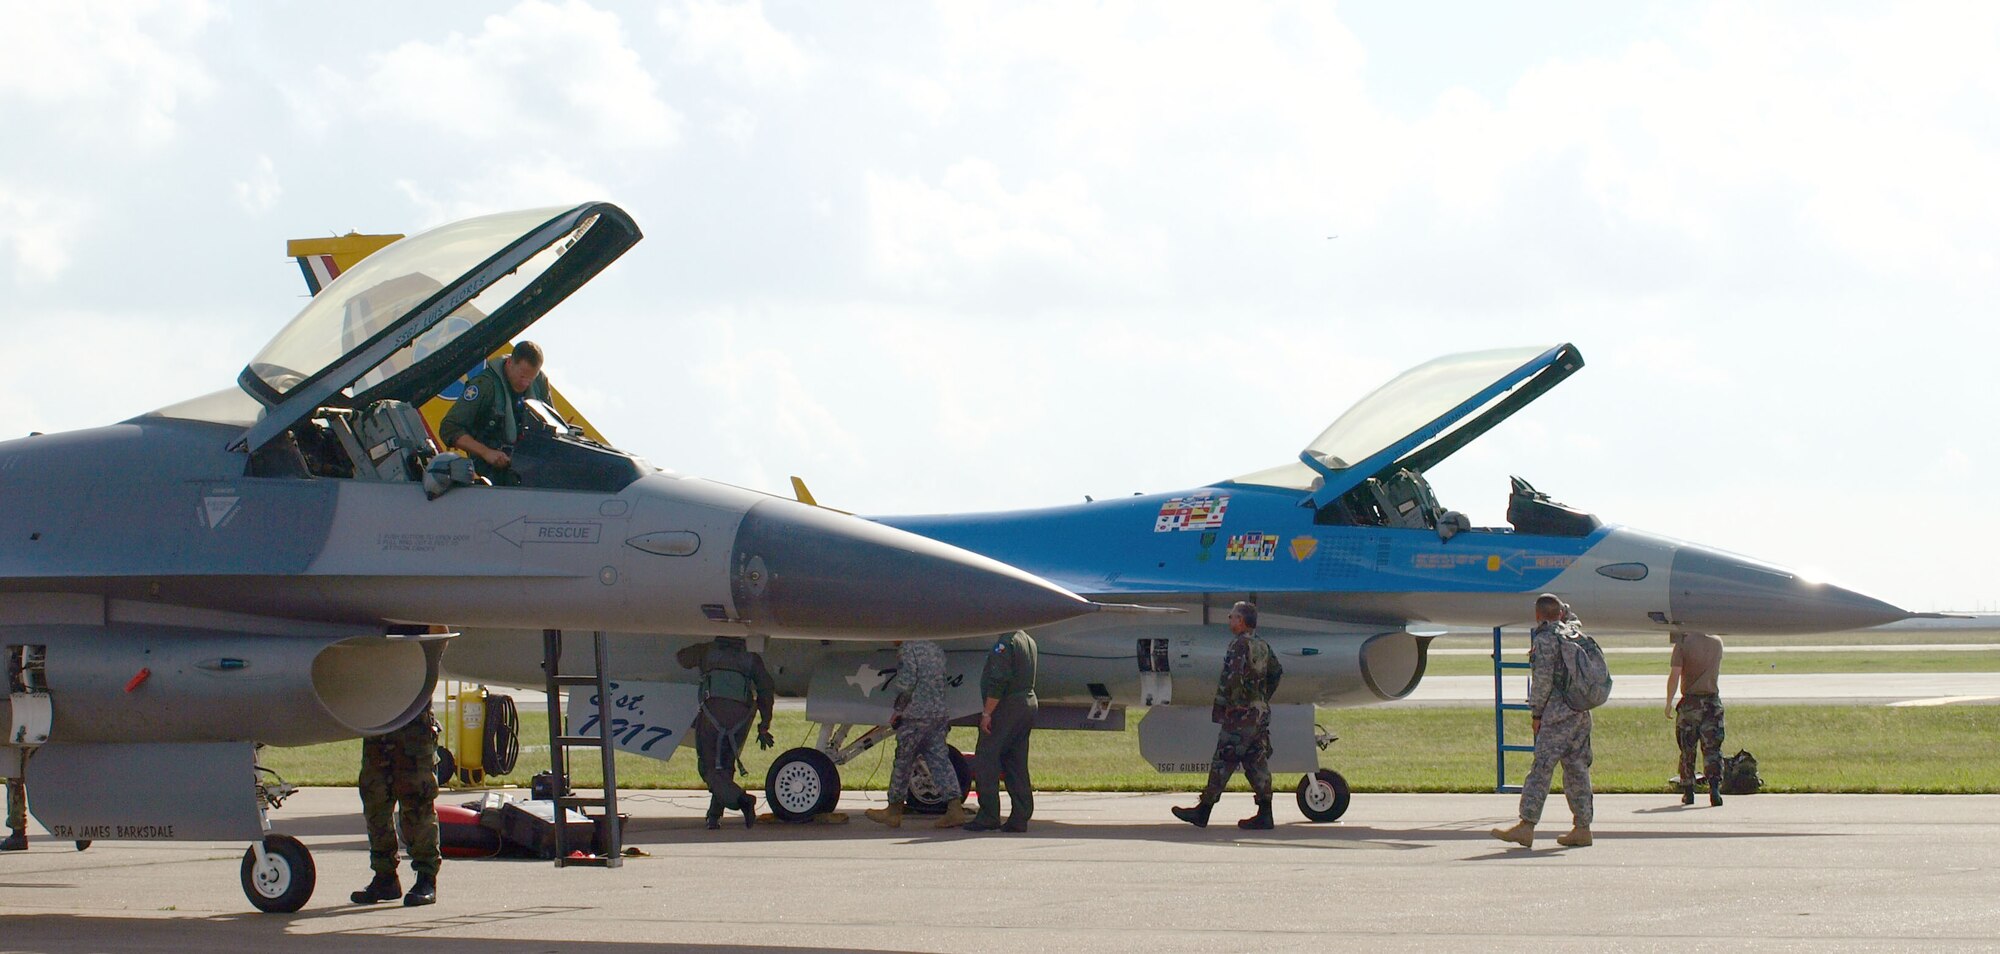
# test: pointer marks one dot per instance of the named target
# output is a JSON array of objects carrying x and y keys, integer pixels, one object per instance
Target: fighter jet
[
  {"x": 1353, "y": 561},
  {"x": 274, "y": 563}
]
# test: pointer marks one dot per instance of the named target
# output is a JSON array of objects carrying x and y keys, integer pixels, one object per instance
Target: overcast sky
[{"x": 965, "y": 256}]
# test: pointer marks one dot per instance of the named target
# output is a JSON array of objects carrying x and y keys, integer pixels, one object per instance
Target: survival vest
[
  {"x": 1589, "y": 679},
  {"x": 728, "y": 672}
]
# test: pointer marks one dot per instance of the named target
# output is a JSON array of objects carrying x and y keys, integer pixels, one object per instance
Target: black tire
[
  {"x": 447, "y": 766},
  {"x": 801, "y": 784},
  {"x": 1323, "y": 796},
  {"x": 288, "y": 884},
  {"x": 924, "y": 798},
  {"x": 503, "y": 736}
]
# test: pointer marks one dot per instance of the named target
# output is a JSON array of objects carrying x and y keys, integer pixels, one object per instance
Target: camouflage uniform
[
  {"x": 490, "y": 411},
  {"x": 922, "y": 722},
  {"x": 734, "y": 685},
  {"x": 1250, "y": 674},
  {"x": 1002, "y": 754},
  {"x": 17, "y": 804},
  {"x": 400, "y": 769},
  {"x": 1565, "y": 733},
  {"x": 1698, "y": 722}
]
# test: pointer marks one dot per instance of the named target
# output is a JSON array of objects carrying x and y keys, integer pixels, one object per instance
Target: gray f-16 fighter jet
[{"x": 275, "y": 562}]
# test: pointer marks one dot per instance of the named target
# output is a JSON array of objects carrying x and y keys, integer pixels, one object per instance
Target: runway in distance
[{"x": 279, "y": 562}]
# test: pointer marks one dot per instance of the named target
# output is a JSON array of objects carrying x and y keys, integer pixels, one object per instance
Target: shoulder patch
[
  {"x": 1000, "y": 647},
  {"x": 471, "y": 393}
]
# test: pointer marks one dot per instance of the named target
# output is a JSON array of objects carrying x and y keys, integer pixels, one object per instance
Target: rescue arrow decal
[{"x": 524, "y": 530}]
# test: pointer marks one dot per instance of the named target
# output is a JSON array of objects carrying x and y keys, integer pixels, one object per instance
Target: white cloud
[
  {"x": 551, "y": 75},
  {"x": 737, "y": 40},
  {"x": 258, "y": 193},
  {"x": 116, "y": 72},
  {"x": 38, "y": 230},
  {"x": 523, "y": 183}
]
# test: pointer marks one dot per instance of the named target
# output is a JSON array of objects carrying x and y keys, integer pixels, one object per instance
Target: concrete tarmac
[{"x": 1097, "y": 872}]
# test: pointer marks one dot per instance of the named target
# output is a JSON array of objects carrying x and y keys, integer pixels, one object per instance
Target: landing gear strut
[
  {"x": 1323, "y": 795},
  {"x": 278, "y": 874}
]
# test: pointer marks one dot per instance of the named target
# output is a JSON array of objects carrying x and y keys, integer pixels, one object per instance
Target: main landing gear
[{"x": 805, "y": 782}]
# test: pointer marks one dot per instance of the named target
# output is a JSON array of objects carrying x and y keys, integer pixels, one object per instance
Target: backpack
[
  {"x": 1739, "y": 774},
  {"x": 1589, "y": 678}
]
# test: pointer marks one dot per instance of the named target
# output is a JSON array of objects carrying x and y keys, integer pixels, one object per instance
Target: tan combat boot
[
  {"x": 1523, "y": 834},
  {"x": 1578, "y": 837},
  {"x": 891, "y": 816},
  {"x": 954, "y": 814}
]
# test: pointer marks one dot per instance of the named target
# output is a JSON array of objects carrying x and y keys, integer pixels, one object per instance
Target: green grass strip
[{"x": 1943, "y": 749}]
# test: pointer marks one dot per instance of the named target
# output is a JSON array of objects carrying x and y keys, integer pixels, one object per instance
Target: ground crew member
[
  {"x": 1250, "y": 674},
  {"x": 734, "y": 683},
  {"x": 1562, "y": 734},
  {"x": 1008, "y": 687},
  {"x": 486, "y": 420},
  {"x": 1696, "y": 661},
  {"x": 922, "y": 722},
  {"x": 399, "y": 786}
]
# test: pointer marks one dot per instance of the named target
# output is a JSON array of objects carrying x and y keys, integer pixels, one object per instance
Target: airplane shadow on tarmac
[{"x": 50, "y": 933}]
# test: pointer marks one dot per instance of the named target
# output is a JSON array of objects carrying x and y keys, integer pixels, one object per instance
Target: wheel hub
[{"x": 797, "y": 787}]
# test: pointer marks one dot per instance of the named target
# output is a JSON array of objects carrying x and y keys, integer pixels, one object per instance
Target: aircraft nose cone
[
  {"x": 801, "y": 570},
  {"x": 1720, "y": 593}
]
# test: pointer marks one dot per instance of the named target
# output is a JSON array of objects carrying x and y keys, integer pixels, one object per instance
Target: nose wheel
[
  {"x": 278, "y": 874},
  {"x": 1323, "y": 796}
]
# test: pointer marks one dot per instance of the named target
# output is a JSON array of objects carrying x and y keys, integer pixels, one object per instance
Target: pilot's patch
[
  {"x": 1255, "y": 547},
  {"x": 1303, "y": 547},
  {"x": 471, "y": 393},
  {"x": 1000, "y": 647},
  {"x": 1201, "y": 511}
]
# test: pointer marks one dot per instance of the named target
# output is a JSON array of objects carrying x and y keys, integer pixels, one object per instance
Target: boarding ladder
[
  {"x": 560, "y": 744},
  {"x": 1500, "y": 709}
]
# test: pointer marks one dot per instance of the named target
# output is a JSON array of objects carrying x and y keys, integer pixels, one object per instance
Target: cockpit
[
  {"x": 1367, "y": 468},
  {"x": 338, "y": 392}
]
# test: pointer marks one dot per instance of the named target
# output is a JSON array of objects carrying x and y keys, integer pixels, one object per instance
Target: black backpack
[{"x": 1739, "y": 774}]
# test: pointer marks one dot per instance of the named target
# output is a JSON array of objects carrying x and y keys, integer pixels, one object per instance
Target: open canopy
[
  {"x": 407, "y": 321},
  {"x": 1421, "y": 417}
]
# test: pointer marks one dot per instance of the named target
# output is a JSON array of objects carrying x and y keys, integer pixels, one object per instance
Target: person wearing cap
[
  {"x": 1562, "y": 734},
  {"x": 1007, "y": 685},
  {"x": 486, "y": 420},
  {"x": 1250, "y": 674}
]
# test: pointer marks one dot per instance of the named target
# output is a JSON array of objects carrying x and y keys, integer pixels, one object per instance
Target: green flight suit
[
  {"x": 1002, "y": 754},
  {"x": 490, "y": 411},
  {"x": 734, "y": 684}
]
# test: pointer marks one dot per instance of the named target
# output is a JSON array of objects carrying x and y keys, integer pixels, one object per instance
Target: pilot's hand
[
  {"x": 986, "y": 723},
  {"x": 1538, "y": 725},
  {"x": 498, "y": 459},
  {"x": 764, "y": 740}
]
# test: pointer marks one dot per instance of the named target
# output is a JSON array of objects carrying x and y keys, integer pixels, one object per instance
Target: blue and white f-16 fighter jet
[{"x": 1346, "y": 551}]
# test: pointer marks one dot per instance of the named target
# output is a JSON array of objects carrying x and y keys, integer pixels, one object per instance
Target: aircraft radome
[
  {"x": 1355, "y": 564},
  {"x": 273, "y": 563}
]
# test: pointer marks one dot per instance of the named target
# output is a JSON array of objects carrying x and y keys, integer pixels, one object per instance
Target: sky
[{"x": 965, "y": 256}]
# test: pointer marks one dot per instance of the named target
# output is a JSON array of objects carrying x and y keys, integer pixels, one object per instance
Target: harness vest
[{"x": 728, "y": 671}]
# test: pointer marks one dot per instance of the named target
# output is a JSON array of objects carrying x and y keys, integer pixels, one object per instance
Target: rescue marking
[{"x": 524, "y": 531}]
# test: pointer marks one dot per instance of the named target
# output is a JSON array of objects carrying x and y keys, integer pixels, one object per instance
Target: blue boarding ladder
[{"x": 1500, "y": 709}]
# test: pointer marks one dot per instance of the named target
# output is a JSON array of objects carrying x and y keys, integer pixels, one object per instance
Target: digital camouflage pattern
[
  {"x": 1698, "y": 723},
  {"x": 1564, "y": 738},
  {"x": 922, "y": 740},
  {"x": 922, "y": 720},
  {"x": 17, "y": 804},
  {"x": 1250, "y": 674},
  {"x": 920, "y": 675},
  {"x": 399, "y": 789}
]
